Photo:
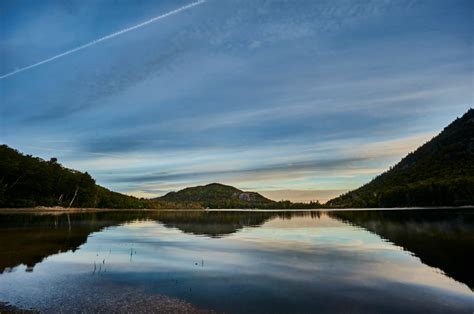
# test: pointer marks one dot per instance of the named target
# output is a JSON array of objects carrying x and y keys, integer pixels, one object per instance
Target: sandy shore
[
  {"x": 142, "y": 304},
  {"x": 105, "y": 298},
  {"x": 58, "y": 210}
]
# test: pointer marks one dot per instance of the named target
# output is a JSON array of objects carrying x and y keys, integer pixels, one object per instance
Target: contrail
[{"x": 103, "y": 38}]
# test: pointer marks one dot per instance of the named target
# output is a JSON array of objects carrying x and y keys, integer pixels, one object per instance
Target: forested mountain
[
  {"x": 27, "y": 181},
  {"x": 439, "y": 173},
  {"x": 217, "y": 195}
]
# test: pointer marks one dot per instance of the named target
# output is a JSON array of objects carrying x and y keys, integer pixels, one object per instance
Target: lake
[{"x": 380, "y": 261}]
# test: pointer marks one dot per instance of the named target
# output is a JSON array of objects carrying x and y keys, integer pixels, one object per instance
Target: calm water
[{"x": 240, "y": 262}]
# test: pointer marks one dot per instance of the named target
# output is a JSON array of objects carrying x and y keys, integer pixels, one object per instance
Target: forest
[
  {"x": 439, "y": 173},
  {"x": 27, "y": 181}
]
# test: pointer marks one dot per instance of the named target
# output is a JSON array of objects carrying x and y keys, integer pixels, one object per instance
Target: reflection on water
[
  {"x": 442, "y": 238},
  {"x": 376, "y": 261}
]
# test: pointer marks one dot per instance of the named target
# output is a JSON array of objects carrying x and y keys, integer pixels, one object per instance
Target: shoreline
[
  {"x": 58, "y": 210},
  {"x": 129, "y": 302}
]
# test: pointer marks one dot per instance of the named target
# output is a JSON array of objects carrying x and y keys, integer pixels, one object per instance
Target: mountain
[
  {"x": 439, "y": 173},
  {"x": 217, "y": 195},
  {"x": 27, "y": 181}
]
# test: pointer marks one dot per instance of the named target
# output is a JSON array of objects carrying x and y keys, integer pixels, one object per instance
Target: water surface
[{"x": 236, "y": 262}]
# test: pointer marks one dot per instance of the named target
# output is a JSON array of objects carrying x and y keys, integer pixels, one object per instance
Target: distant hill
[
  {"x": 217, "y": 195},
  {"x": 439, "y": 173}
]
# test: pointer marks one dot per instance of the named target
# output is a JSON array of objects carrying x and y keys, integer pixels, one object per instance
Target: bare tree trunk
[
  {"x": 14, "y": 183},
  {"x": 74, "y": 197}
]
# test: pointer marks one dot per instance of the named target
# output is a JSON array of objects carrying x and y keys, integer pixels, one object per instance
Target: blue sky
[{"x": 307, "y": 96}]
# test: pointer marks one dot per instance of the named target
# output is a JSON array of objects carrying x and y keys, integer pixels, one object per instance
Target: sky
[{"x": 299, "y": 100}]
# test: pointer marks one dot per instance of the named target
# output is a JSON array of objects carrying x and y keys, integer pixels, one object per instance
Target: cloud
[
  {"x": 260, "y": 94},
  {"x": 266, "y": 171},
  {"x": 101, "y": 39},
  {"x": 262, "y": 169}
]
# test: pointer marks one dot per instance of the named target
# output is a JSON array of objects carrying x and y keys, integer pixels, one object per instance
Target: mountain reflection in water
[
  {"x": 442, "y": 238},
  {"x": 29, "y": 238},
  {"x": 278, "y": 261}
]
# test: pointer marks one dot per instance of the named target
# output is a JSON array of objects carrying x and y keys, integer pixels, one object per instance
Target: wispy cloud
[
  {"x": 268, "y": 95},
  {"x": 104, "y": 38}
]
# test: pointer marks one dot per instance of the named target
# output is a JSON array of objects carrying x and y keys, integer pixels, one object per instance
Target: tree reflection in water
[{"x": 442, "y": 238}]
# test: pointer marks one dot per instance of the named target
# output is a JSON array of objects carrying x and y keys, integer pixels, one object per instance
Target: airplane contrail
[{"x": 96, "y": 41}]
